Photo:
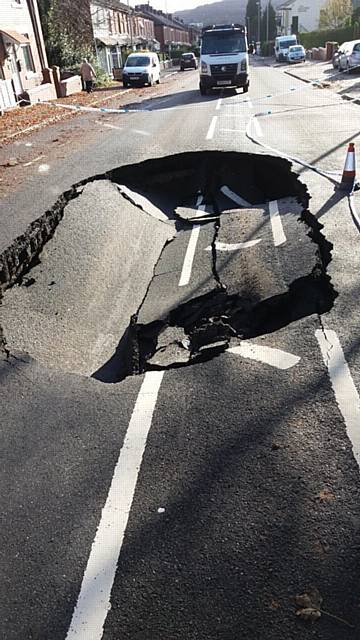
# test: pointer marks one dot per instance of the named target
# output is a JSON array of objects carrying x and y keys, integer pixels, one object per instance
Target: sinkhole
[{"x": 163, "y": 264}]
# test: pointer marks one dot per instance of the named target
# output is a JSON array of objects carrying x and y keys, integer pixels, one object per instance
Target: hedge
[{"x": 318, "y": 38}]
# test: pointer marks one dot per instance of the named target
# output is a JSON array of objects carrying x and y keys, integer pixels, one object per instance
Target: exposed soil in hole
[{"x": 196, "y": 326}]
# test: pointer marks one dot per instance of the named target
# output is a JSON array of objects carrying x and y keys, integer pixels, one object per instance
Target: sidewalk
[
  {"x": 24, "y": 120},
  {"x": 345, "y": 84}
]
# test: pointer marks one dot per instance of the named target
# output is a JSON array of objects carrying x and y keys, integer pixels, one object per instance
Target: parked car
[
  {"x": 296, "y": 53},
  {"x": 188, "y": 61},
  {"x": 336, "y": 55},
  {"x": 141, "y": 68},
  {"x": 349, "y": 58}
]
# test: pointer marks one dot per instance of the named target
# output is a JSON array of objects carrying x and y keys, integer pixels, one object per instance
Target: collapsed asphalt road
[
  {"x": 93, "y": 299},
  {"x": 248, "y": 490}
]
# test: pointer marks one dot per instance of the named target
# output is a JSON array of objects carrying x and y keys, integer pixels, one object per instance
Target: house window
[{"x": 29, "y": 62}]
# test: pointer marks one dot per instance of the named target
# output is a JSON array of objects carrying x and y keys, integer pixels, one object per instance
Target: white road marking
[
  {"x": 257, "y": 127},
  {"x": 218, "y": 104},
  {"x": 27, "y": 164},
  {"x": 28, "y": 144},
  {"x": 269, "y": 355},
  {"x": 233, "y": 130},
  {"x": 223, "y": 246},
  {"x": 141, "y": 132},
  {"x": 276, "y": 224},
  {"x": 94, "y": 599},
  {"x": 143, "y": 202},
  {"x": 343, "y": 385},
  {"x": 43, "y": 168},
  {"x": 250, "y": 104},
  {"x": 234, "y": 197},
  {"x": 111, "y": 126},
  {"x": 191, "y": 248},
  {"x": 211, "y": 131}
]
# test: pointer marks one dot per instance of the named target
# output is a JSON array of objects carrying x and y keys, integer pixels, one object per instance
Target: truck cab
[
  {"x": 282, "y": 44},
  {"x": 224, "y": 60}
]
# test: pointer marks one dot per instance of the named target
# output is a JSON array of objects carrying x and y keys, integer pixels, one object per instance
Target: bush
[
  {"x": 102, "y": 78},
  {"x": 318, "y": 38}
]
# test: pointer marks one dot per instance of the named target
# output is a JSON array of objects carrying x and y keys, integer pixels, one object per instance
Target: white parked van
[
  {"x": 141, "y": 68},
  {"x": 282, "y": 44},
  {"x": 224, "y": 60}
]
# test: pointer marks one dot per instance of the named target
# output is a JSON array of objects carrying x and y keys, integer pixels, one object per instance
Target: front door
[{"x": 15, "y": 75}]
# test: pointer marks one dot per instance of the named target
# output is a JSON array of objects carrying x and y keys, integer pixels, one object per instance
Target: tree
[
  {"x": 335, "y": 14},
  {"x": 67, "y": 31},
  {"x": 252, "y": 17},
  {"x": 268, "y": 29}
]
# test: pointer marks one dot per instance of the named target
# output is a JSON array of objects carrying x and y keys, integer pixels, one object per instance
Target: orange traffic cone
[{"x": 348, "y": 180}]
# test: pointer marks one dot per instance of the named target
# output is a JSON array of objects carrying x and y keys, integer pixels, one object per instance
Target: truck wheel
[
  {"x": 125, "y": 85},
  {"x": 158, "y": 80},
  {"x": 246, "y": 88},
  {"x": 203, "y": 91}
]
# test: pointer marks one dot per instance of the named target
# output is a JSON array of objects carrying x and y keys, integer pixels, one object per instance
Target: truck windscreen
[
  {"x": 223, "y": 42},
  {"x": 285, "y": 44}
]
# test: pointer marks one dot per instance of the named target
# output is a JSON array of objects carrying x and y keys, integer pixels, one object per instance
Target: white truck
[
  {"x": 224, "y": 60},
  {"x": 282, "y": 44}
]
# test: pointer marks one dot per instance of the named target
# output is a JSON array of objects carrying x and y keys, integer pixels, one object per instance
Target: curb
[{"x": 344, "y": 96}]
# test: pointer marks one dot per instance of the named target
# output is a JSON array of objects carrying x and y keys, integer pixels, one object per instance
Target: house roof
[
  {"x": 286, "y": 5},
  {"x": 111, "y": 4},
  {"x": 161, "y": 18},
  {"x": 14, "y": 36}
]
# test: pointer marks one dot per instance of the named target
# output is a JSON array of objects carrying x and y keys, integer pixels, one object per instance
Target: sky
[{"x": 170, "y": 6}]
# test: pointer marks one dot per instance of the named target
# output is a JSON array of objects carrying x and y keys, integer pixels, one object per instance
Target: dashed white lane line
[
  {"x": 111, "y": 126},
  {"x": 268, "y": 355},
  {"x": 43, "y": 168},
  {"x": 218, "y": 104},
  {"x": 224, "y": 246},
  {"x": 211, "y": 130},
  {"x": 234, "y": 197},
  {"x": 343, "y": 385},
  {"x": 28, "y": 164},
  {"x": 141, "y": 132},
  {"x": 276, "y": 224},
  {"x": 94, "y": 599},
  {"x": 191, "y": 248}
]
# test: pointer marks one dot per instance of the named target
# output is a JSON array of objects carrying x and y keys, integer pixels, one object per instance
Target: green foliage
[
  {"x": 272, "y": 24},
  {"x": 102, "y": 78},
  {"x": 318, "y": 38},
  {"x": 67, "y": 31},
  {"x": 335, "y": 14},
  {"x": 252, "y": 17}
]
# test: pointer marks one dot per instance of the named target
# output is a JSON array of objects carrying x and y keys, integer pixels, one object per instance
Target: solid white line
[
  {"x": 94, "y": 600},
  {"x": 218, "y": 104},
  {"x": 234, "y": 197},
  {"x": 27, "y": 164},
  {"x": 224, "y": 246},
  {"x": 343, "y": 385},
  {"x": 191, "y": 248},
  {"x": 257, "y": 127},
  {"x": 276, "y": 224},
  {"x": 269, "y": 355},
  {"x": 211, "y": 131}
]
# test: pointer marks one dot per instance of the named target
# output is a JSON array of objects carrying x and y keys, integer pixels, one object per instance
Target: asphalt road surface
[{"x": 199, "y": 488}]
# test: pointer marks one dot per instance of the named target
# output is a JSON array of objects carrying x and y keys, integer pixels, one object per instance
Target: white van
[
  {"x": 224, "y": 60},
  {"x": 141, "y": 68},
  {"x": 282, "y": 44}
]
